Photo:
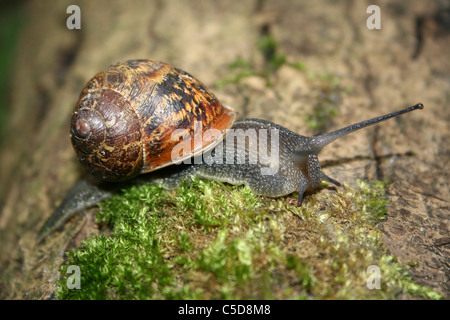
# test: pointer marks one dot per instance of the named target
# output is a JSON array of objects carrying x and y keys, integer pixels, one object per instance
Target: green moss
[
  {"x": 11, "y": 21},
  {"x": 273, "y": 60},
  {"x": 208, "y": 240},
  {"x": 268, "y": 46},
  {"x": 330, "y": 91}
]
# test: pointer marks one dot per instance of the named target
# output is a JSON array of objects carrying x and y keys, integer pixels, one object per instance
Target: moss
[
  {"x": 11, "y": 22},
  {"x": 208, "y": 240},
  {"x": 330, "y": 91},
  {"x": 329, "y": 86},
  {"x": 273, "y": 60}
]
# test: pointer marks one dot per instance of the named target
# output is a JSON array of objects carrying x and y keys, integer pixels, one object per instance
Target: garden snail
[
  {"x": 126, "y": 117},
  {"x": 158, "y": 100}
]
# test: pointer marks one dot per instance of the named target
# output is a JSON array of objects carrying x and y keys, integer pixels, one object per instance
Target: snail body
[
  {"x": 296, "y": 169},
  {"x": 126, "y": 119}
]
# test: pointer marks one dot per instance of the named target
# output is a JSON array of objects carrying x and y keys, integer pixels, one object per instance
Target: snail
[
  {"x": 126, "y": 117},
  {"x": 137, "y": 119}
]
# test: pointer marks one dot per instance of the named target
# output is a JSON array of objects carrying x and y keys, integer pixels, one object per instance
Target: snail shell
[{"x": 126, "y": 115}]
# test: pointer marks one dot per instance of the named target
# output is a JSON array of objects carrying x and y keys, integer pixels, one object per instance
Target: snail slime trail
[{"x": 137, "y": 118}]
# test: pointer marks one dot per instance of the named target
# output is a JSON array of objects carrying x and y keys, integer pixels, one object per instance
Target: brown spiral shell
[{"x": 125, "y": 117}]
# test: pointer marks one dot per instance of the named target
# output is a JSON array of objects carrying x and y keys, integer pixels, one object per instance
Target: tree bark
[{"x": 372, "y": 72}]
